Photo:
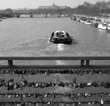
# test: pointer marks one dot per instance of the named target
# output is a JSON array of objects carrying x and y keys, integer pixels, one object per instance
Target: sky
[{"x": 17, "y": 4}]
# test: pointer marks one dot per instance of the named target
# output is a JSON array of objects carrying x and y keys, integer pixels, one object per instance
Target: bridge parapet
[
  {"x": 54, "y": 85},
  {"x": 84, "y": 61}
]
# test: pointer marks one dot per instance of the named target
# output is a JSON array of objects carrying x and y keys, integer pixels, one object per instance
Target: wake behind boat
[{"x": 58, "y": 37}]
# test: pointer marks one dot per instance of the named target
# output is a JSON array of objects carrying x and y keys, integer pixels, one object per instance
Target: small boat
[
  {"x": 87, "y": 22},
  {"x": 102, "y": 26},
  {"x": 60, "y": 37},
  {"x": 82, "y": 21}
]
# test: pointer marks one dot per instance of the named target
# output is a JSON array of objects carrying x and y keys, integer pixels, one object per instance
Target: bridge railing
[
  {"x": 84, "y": 61},
  {"x": 28, "y": 87}
]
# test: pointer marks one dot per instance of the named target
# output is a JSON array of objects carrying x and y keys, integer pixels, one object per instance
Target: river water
[{"x": 29, "y": 37}]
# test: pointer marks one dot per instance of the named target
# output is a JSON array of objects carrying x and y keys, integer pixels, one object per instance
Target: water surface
[{"x": 29, "y": 37}]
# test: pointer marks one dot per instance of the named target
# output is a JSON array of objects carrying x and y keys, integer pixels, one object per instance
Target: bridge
[
  {"x": 54, "y": 85},
  {"x": 31, "y": 13},
  {"x": 19, "y": 14}
]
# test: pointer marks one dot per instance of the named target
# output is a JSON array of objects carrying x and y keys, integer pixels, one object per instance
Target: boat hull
[{"x": 63, "y": 41}]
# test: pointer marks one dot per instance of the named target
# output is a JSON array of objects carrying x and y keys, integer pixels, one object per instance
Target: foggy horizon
[{"x": 17, "y": 4}]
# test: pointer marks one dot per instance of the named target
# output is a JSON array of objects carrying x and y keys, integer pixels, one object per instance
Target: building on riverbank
[
  {"x": 59, "y": 11},
  {"x": 54, "y": 6}
]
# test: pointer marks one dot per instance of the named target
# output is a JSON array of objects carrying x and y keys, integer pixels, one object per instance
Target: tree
[{"x": 8, "y": 12}]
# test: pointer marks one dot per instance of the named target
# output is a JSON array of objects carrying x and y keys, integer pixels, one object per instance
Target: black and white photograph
[{"x": 54, "y": 52}]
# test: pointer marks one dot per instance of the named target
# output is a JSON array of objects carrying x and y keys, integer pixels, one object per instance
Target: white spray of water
[{"x": 60, "y": 47}]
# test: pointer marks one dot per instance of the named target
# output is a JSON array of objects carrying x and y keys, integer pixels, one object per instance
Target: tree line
[{"x": 93, "y": 9}]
